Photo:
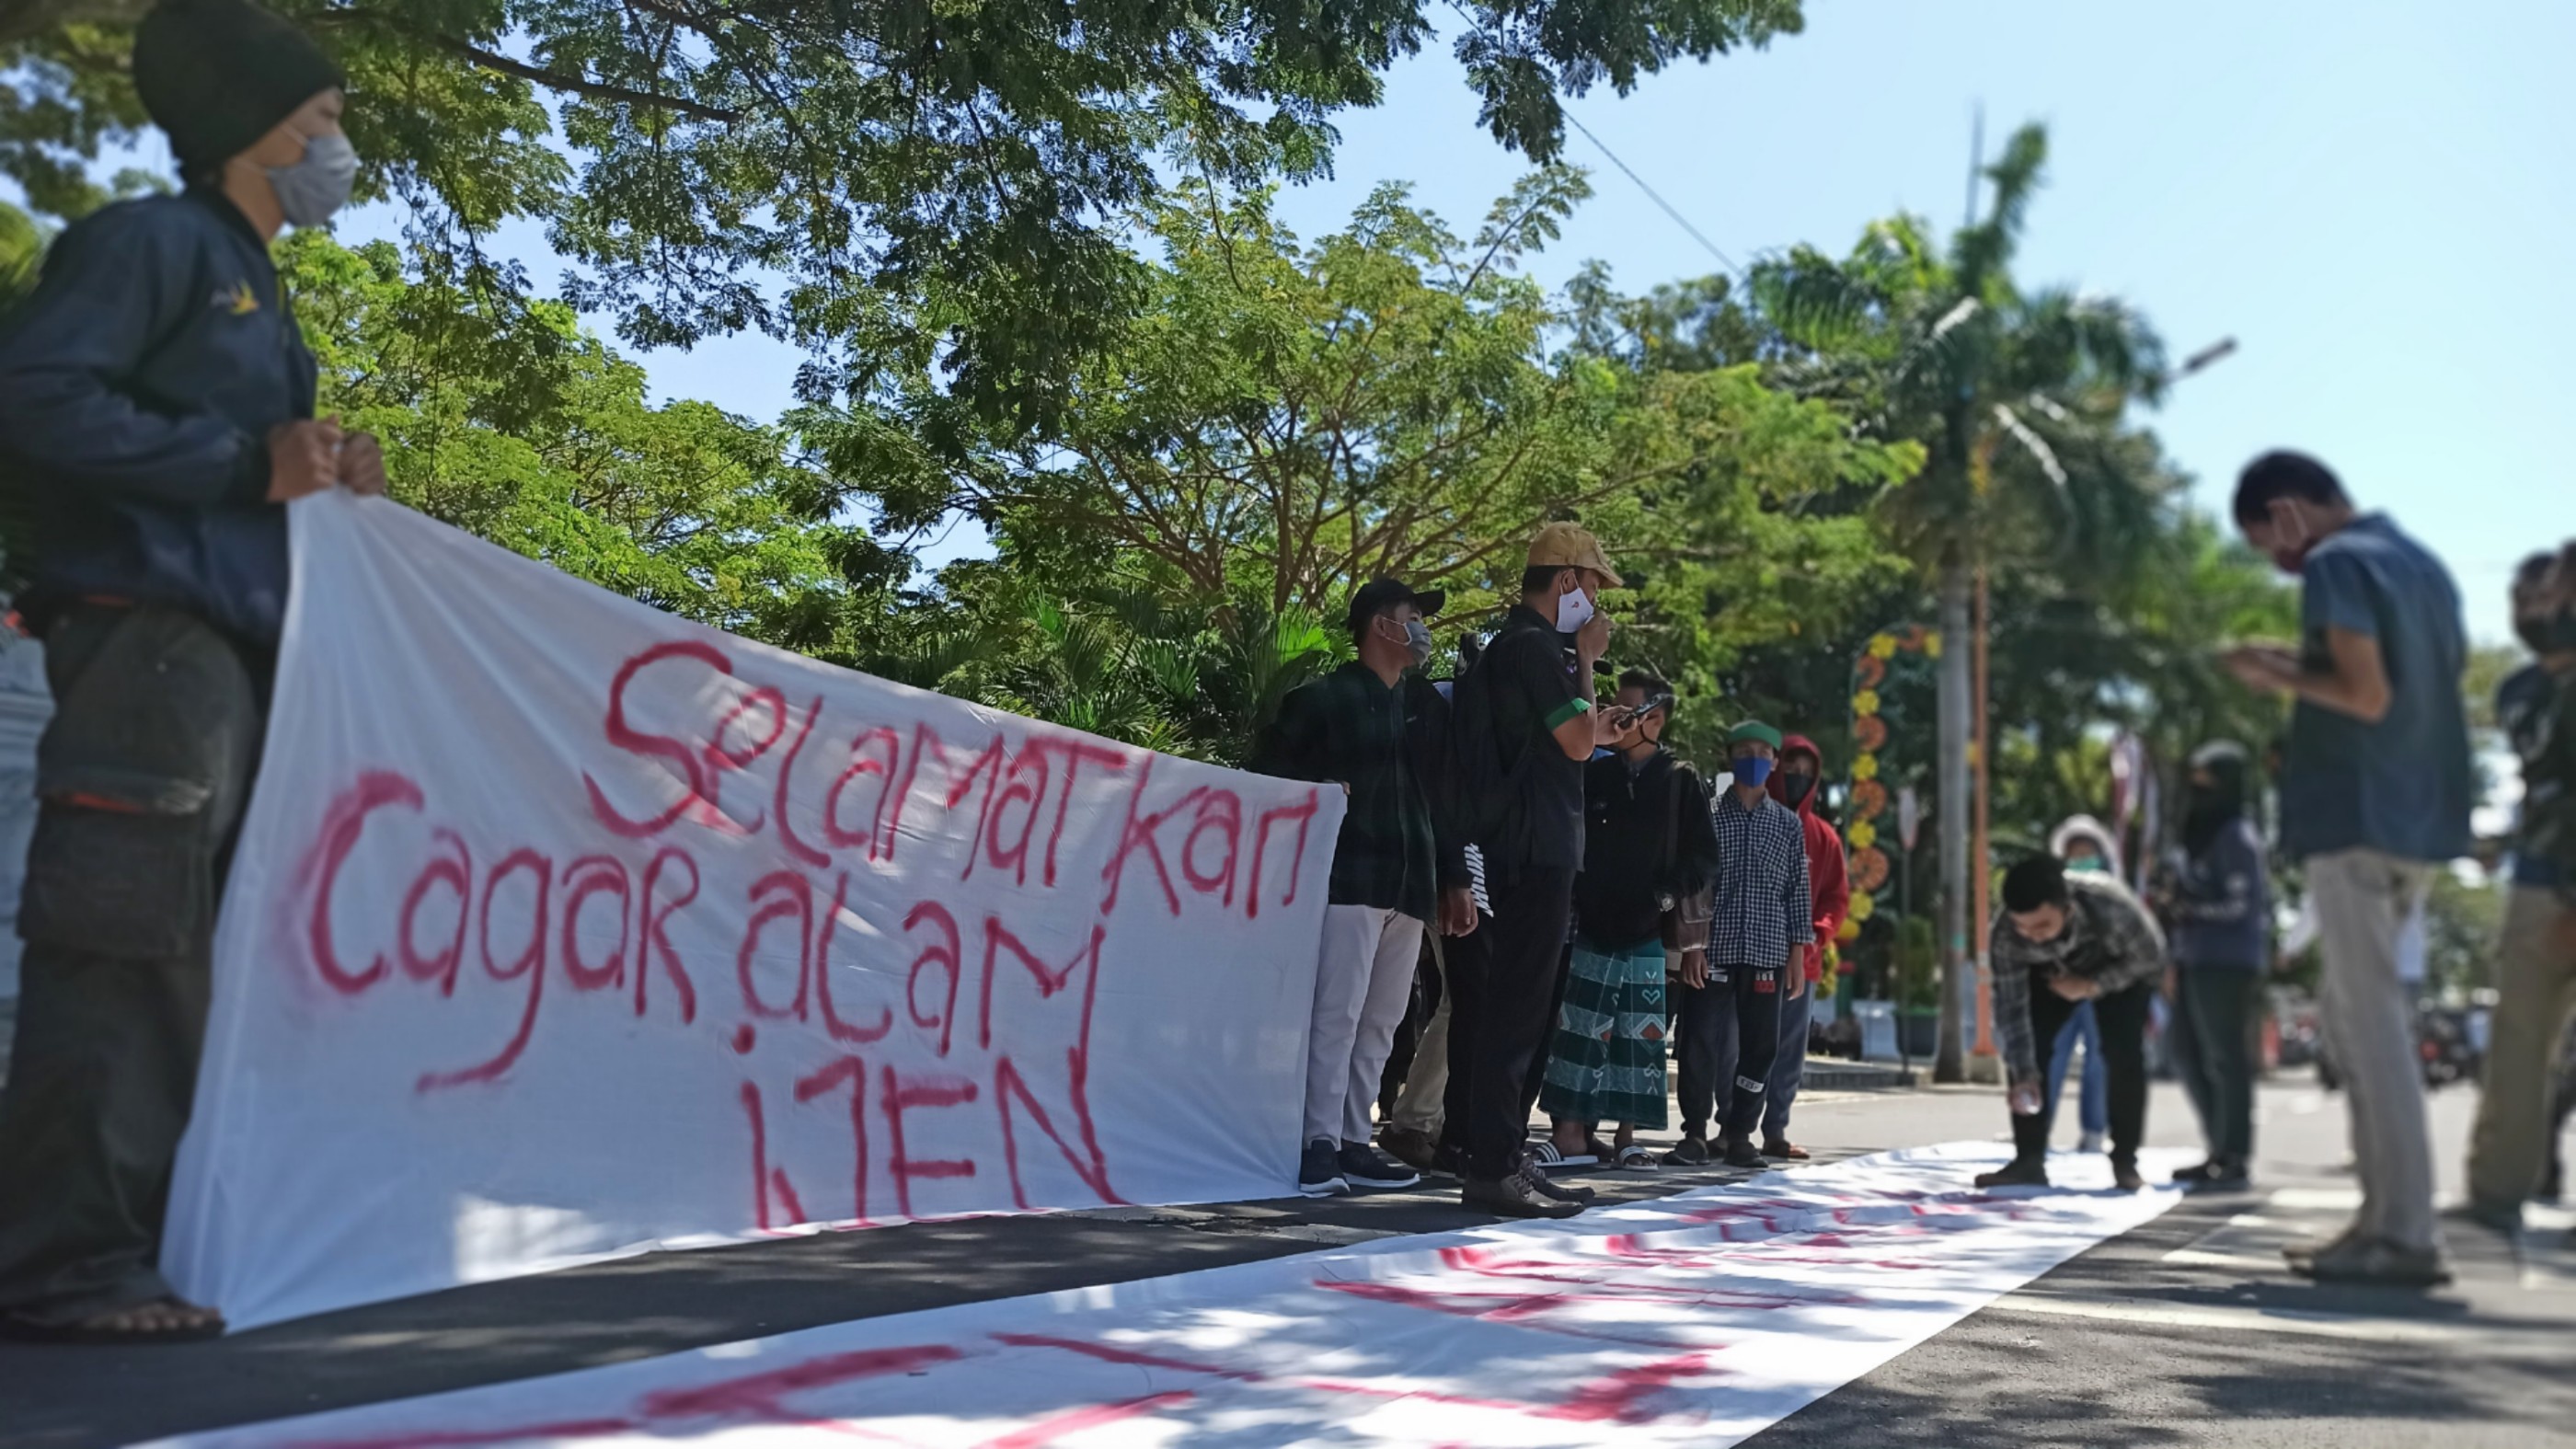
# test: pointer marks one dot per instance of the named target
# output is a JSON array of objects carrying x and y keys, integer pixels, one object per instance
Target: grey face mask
[
  {"x": 1417, "y": 637},
  {"x": 309, "y": 191}
]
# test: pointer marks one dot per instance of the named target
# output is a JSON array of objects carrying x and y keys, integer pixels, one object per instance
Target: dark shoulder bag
[{"x": 1686, "y": 919}]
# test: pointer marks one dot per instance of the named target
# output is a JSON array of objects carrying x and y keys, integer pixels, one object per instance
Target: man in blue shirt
[
  {"x": 156, "y": 406},
  {"x": 2375, "y": 795},
  {"x": 2536, "y": 967}
]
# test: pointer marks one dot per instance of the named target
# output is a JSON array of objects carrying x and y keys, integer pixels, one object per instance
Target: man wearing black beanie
[{"x": 156, "y": 407}]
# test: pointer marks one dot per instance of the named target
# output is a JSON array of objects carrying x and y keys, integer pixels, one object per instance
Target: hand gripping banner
[{"x": 561, "y": 928}]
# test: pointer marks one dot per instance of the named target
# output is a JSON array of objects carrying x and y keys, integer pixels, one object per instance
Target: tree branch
[{"x": 493, "y": 60}]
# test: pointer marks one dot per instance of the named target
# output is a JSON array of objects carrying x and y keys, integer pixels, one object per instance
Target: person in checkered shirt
[
  {"x": 1759, "y": 930},
  {"x": 2064, "y": 939}
]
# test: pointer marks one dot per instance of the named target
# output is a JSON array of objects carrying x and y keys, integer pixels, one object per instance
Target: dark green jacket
[{"x": 1388, "y": 746}]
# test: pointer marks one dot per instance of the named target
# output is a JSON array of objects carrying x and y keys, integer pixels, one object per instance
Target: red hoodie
[{"x": 1826, "y": 877}]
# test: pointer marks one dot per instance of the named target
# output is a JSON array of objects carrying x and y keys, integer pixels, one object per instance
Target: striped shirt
[{"x": 1763, "y": 904}]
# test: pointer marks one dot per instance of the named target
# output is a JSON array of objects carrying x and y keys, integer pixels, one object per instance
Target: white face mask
[
  {"x": 319, "y": 183},
  {"x": 1417, "y": 642},
  {"x": 1573, "y": 611}
]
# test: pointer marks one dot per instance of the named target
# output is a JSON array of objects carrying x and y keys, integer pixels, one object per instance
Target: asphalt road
[{"x": 2186, "y": 1332}]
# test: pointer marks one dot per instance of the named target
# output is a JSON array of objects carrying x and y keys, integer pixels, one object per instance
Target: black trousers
[
  {"x": 2122, "y": 1017},
  {"x": 2216, "y": 1015},
  {"x": 1536, "y": 1079},
  {"x": 1501, "y": 981},
  {"x": 1730, "y": 1039},
  {"x": 142, "y": 777}
]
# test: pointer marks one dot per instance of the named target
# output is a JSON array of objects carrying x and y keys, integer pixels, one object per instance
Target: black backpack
[{"x": 1485, "y": 768}]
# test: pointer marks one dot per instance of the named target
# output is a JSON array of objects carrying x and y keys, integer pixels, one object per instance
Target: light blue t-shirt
[{"x": 2402, "y": 785}]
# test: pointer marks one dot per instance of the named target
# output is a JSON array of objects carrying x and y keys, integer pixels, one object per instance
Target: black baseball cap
[{"x": 1379, "y": 595}]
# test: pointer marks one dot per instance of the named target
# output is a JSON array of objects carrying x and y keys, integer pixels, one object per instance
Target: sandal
[
  {"x": 1633, "y": 1156},
  {"x": 91, "y": 1333},
  {"x": 1546, "y": 1154}
]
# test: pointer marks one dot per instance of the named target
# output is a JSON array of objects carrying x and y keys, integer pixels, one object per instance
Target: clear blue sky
[{"x": 2376, "y": 199}]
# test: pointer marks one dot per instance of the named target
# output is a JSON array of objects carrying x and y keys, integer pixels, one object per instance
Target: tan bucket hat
[{"x": 1571, "y": 546}]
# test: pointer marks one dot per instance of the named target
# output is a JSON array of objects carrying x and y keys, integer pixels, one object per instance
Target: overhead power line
[{"x": 1625, "y": 169}]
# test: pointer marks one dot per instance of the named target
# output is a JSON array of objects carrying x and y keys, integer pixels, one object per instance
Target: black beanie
[{"x": 219, "y": 74}]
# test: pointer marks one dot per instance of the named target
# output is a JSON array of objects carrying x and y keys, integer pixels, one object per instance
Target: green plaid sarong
[{"x": 1606, "y": 1063}]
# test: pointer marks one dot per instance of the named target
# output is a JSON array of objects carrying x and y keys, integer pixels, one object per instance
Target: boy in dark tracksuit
[{"x": 156, "y": 405}]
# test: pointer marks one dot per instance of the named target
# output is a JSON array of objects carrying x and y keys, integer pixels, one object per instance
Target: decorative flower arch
[{"x": 1870, "y": 733}]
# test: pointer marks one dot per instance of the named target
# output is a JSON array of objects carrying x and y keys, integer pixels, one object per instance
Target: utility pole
[{"x": 1957, "y": 785}]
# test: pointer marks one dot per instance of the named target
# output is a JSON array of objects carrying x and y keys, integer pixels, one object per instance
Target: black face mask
[{"x": 1797, "y": 788}]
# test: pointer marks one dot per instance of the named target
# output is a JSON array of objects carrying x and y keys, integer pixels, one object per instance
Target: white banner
[
  {"x": 561, "y": 928},
  {"x": 1697, "y": 1320}
]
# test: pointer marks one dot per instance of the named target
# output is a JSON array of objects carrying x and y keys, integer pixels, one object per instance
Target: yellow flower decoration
[
  {"x": 1849, "y": 930},
  {"x": 1865, "y": 768},
  {"x": 1863, "y": 906},
  {"x": 1932, "y": 643},
  {"x": 1865, "y": 702},
  {"x": 1882, "y": 646},
  {"x": 1863, "y": 835}
]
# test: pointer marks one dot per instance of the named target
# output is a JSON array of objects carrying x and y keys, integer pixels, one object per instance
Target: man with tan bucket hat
[{"x": 1524, "y": 726}]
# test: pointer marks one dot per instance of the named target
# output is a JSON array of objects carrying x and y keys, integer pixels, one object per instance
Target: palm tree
[{"x": 2018, "y": 399}]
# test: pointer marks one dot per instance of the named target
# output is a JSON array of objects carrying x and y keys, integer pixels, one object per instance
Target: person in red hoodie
[{"x": 1795, "y": 784}]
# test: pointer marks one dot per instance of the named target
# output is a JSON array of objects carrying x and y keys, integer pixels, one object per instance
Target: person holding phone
[
  {"x": 1647, "y": 845},
  {"x": 1524, "y": 727},
  {"x": 2064, "y": 938},
  {"x": 2377, "y": 787}
]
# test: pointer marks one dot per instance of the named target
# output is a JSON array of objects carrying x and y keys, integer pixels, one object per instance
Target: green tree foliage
[
  {"x": 548, "y": 444},
  {"x": 900, "y": 185},
  {"x": 1286, "y": 420}
]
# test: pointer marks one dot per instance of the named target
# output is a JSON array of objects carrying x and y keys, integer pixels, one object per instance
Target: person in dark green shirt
[{"x": 1370, "y": 728}]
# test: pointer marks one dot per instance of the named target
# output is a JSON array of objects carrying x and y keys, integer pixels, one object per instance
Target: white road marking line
[
  {"x": 2539, "y": 1338},
  {"x": 2317, "y": 1199}
]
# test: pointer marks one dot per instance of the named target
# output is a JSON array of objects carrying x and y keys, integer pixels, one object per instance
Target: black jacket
[
  {"x": 137, "y": 388},
  {"x": 1629, "y": 869}
]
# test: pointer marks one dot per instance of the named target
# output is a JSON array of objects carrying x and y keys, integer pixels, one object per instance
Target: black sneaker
[
  {"x": 1693, "y": 1152},
  {"x": 2020, "y": 1172},
  {"x": 1740, "y": 1152},
  {"x": 2192, "y": 1176},
  {"x": 1552, "y": 1189},
  {"x": 1365, "y": 1169},
  {"x": 1319, "y": 1171},
  {"x": 1449, "y": 1160},
  {"x": 2220, "y": 1175},
  {"x": 1517, "y": 1195},
  {"x": 2124, "y": 1175}
]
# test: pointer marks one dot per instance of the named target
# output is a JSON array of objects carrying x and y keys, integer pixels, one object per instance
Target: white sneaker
[{"x": 2089, "y": 1142}]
